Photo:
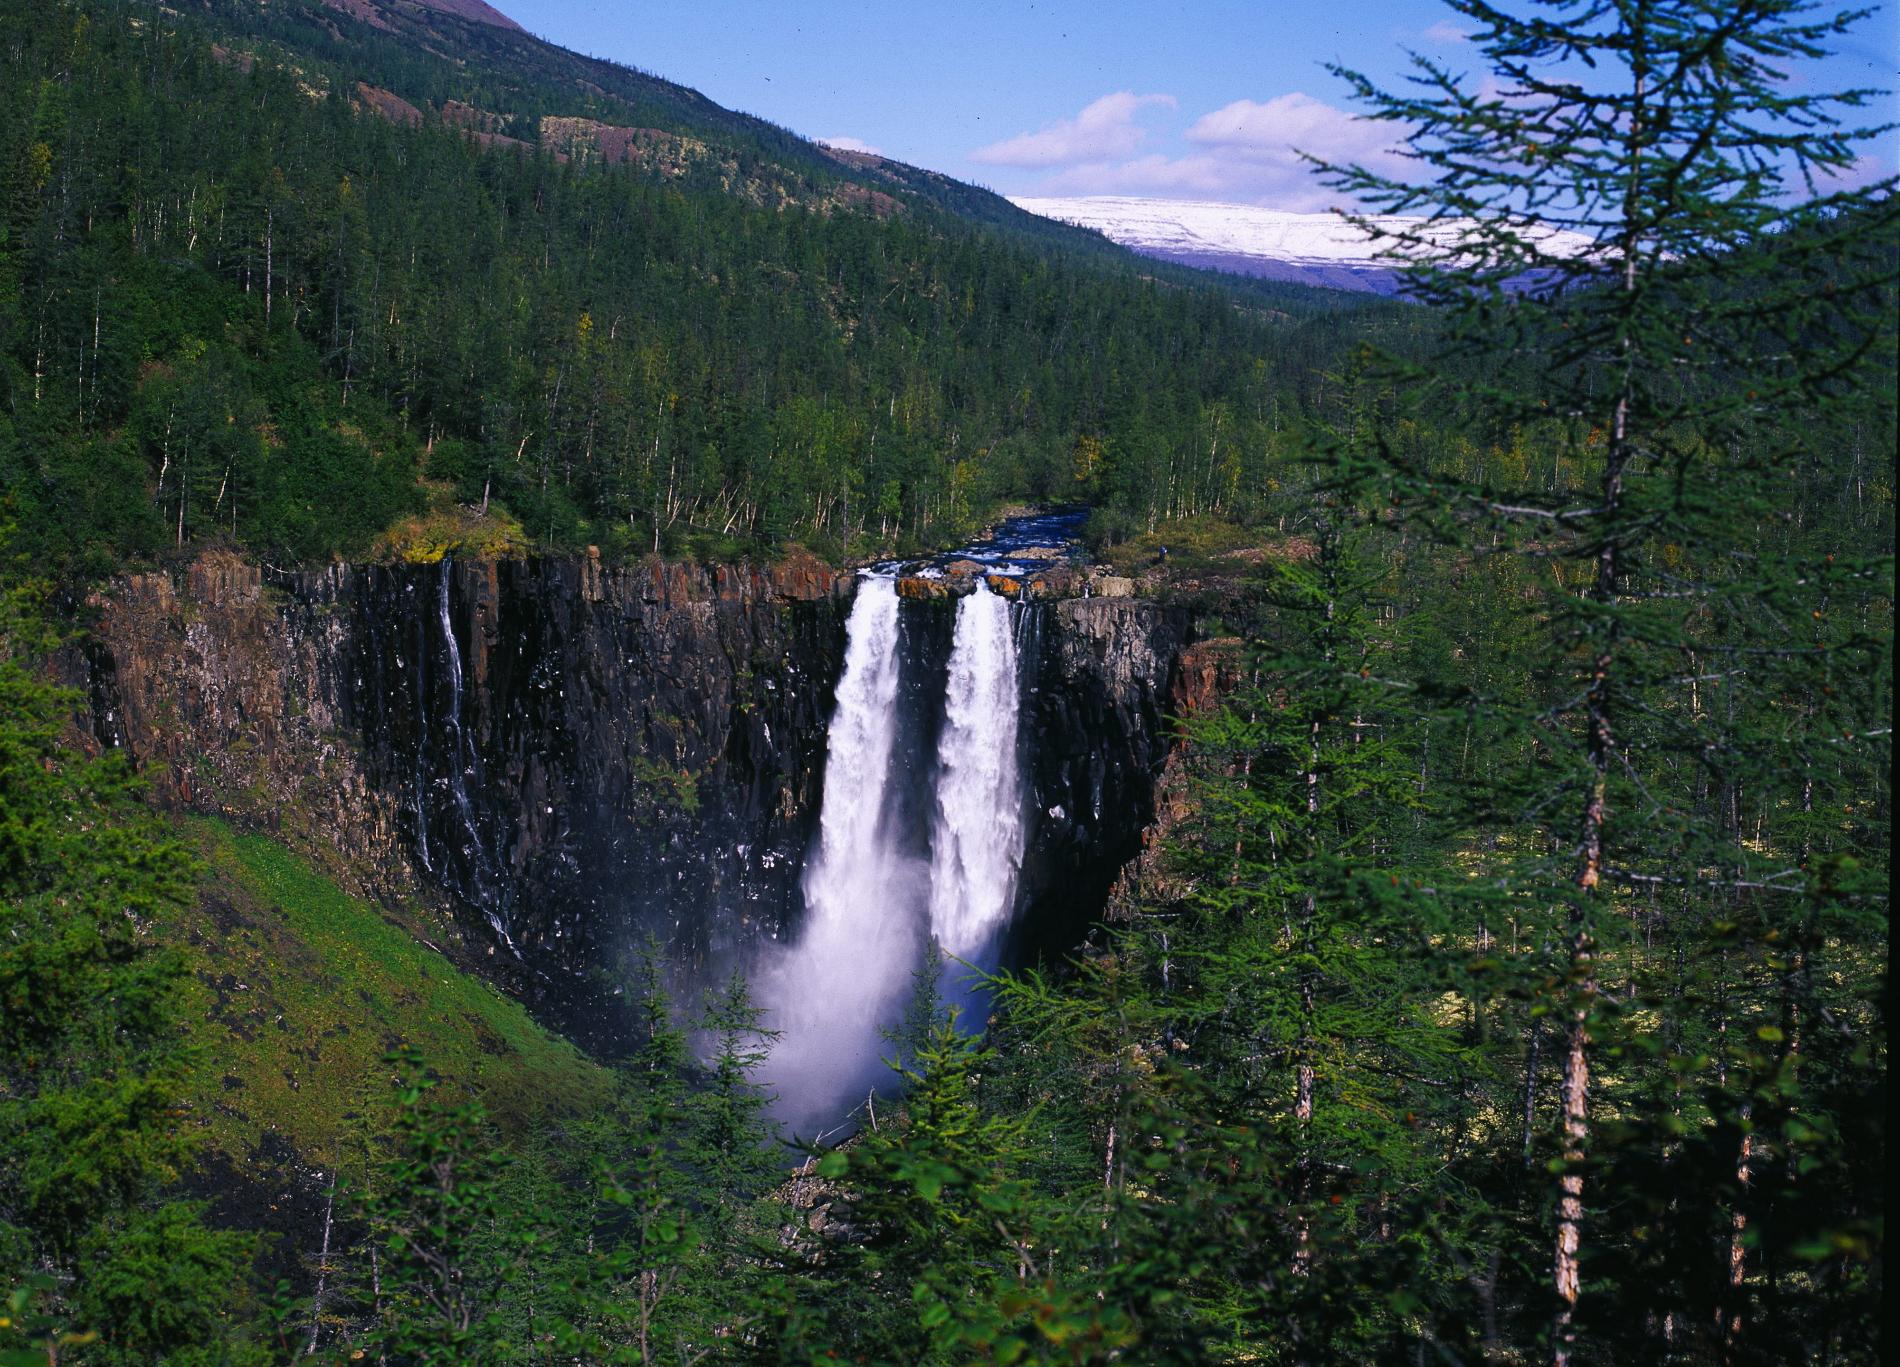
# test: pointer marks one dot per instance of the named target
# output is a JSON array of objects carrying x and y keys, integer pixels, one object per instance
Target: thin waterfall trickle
[
  {"x": 835, "y": 987},
  {"x": 462, "y": 762},
  {"x": 977, "y": 841},
  {"x": 421, "y": 781}
]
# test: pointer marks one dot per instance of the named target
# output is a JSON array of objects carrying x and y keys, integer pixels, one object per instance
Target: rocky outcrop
[
  {"x": 1100, "y": 711},
  {"x": 1206, "y": 672},
  {"x": 578, "y": 756},
  {"x": 233, "y": 693},
  {"x": 669, "y": 154},
  {"x": 388, "y": 104}
]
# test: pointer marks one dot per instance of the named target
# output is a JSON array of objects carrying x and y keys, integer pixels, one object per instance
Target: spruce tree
[
  {"x": 450, "y": 1247},
  {"x": 654, "y": 1282},
  {"x": 1724, "y": 300}
]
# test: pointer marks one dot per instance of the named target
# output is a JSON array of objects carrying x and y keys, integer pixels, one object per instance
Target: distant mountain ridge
[
  {"x": 472, "y": 65},
  {"x": 475, "y": 11},
  {"x": 1306, "y": 249}
]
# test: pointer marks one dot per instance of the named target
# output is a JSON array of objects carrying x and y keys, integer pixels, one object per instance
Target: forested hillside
[
  {"x": 1504, "y": 980},
  {"x": 238, "y": 302}
]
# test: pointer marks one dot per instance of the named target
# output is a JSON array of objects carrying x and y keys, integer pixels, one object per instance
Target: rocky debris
[
  {"x": 819, "y": 1209},
  {"x": 1112, "y": 586}
]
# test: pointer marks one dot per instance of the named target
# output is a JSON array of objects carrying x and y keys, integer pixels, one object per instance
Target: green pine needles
[
  {"x": 1683, "y": 356},
  {"x": 1509, "y": 986}
]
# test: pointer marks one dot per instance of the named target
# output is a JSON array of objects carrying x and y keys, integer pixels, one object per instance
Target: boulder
[{"x": 917, "y": 587}]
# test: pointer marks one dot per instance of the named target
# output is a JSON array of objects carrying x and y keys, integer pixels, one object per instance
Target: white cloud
[
  {"x": 1444, "y": 31},
  {"x": 1104, "y": 131},
  {"x": 849, "y": 145},
  {"x": 1866, "y": 170},
  {"x": 1277, "y": 131},
  {"x": 1245, "y": 152}
]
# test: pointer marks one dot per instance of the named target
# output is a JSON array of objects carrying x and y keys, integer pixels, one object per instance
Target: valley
[{"x": 627, "y": 737}]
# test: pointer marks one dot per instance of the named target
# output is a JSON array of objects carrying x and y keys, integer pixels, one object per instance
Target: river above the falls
[{"x": 1015, "y": 546}]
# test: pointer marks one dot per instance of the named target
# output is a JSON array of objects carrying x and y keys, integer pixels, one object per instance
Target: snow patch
[{"x": 1311, "y": 248}]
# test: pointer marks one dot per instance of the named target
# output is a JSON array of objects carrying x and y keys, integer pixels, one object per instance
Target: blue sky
[{"x": 1197, "y": 99}]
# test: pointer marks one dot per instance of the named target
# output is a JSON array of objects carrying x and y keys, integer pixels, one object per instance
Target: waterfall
[
  {"x": 871, "y": 890},
  {"x": 977, "y": 840},
  {"x": 463, "y": 762},
  {"x": 858, "y": 762},
  {"x": 833, "y": 989}
]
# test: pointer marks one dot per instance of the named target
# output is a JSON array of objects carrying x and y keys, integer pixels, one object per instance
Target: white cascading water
[
  {"x": 977, "y": 841},
  {"x": 833, "y": 989},
  {"x": 459, "y": 765}
]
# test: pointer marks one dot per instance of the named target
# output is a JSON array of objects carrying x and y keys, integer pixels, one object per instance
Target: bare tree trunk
[
  {"x": 323, "y": 1270},
  {"x": 1731, "y": 1313},
  {"x": 376, "y": 1293},
  {"x": 1601, "y": 745},
  {"x": 1576, "y": 1133},
  {"x": 1303, "y": 1074}
]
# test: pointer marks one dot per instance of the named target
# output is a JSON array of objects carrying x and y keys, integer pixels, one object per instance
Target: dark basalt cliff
[
  {"x": 1104, "y": 689},
  {"x": 573, "y": 757}
]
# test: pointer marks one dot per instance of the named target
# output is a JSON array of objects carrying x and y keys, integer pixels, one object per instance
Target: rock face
[
  {"x": 1205, "y": 673},
  {"x": 1099, "y": 711},
  {"x": 234, "y": 696},
  {"x": 589, "y": 755},
  {"x": 579, "y": 756}
]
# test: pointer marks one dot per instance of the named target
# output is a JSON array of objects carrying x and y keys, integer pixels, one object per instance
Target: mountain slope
[
  {"x": 466, "y": 57},
  {"x": 377, "y": 13},
  {"x": 362, "y": 273}
]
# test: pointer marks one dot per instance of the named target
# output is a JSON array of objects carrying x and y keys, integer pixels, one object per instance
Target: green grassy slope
[{"x": 297, "y": 990}]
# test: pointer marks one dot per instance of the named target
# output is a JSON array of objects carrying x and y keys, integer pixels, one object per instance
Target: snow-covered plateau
[{"x": 1308, "y": 249}]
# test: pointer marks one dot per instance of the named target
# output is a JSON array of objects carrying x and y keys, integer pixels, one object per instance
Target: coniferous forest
[{"x": 1508, "y": 981}]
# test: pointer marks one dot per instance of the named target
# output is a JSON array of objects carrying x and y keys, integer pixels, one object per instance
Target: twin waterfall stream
[{"x": 871, "y": 896}]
